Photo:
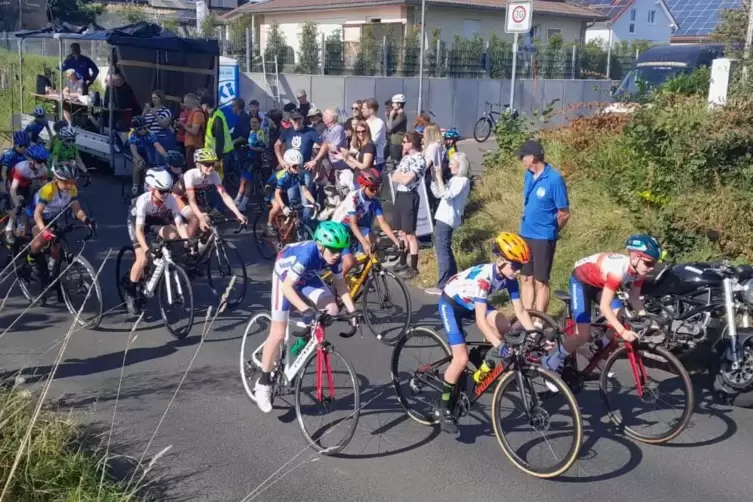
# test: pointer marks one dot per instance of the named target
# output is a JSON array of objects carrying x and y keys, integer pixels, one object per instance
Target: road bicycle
[
  {"x": 71, "y": 274},
  {"x": 641, "y": 355},
  {"x": 548, "y": 406},
  {"x": 290, "y": 229},
  {"x": 163, "y": 276},
  {"x": 369, "y": 281},
  {"x": 487, "y": 124},
  {"x": 290, "y": 370},
  {"x": 214, "y": 251}
]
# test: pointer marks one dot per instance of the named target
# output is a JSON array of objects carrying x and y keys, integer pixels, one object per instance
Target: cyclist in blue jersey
[
  {"x": 13, "y": 156},
  {"x": 466, "y": 296},
  {"x": 35, "y": 127},
  {"x": 296, "y": 274},
  {"x": 144, "y": 149},
  {"x": 290, "y": 178}
]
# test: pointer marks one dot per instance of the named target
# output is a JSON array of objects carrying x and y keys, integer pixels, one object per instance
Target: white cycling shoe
[{"x": 263, "y": 395}]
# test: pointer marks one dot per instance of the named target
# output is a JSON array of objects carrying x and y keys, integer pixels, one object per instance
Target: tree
[
  {"x": 74, "y": 11},
  {"x": 133, "y": 14},
  {"x": 411, "y": 51},
  {"x": 210, "y": 27},
  {"x": 171, "y": 25},
  {"x": 308, "y": 54},
  {"x": 499, "y": 57},
  {"x": 277, "y": 46},
  {"x": 333, "y": 54},
  {"x": 369, "y": 50},
  {"x": 732, "y": 26}
]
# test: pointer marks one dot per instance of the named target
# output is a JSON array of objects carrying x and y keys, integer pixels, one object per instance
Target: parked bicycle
[
  {"x": 165, "y": 278},
  {"x": 289, "y": 229},
  {"x": 71, "y": 274},
  {"x": 651, "y": 392},
  {"x": 292, "y": 368},
  {"x": 487, "y": 124},
  {"x": 549, "y": 409}
]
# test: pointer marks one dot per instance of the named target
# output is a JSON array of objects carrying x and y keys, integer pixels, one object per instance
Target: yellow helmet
[
  {"x": 511, "y": 247},
  {"x": 204, "y": 156}
]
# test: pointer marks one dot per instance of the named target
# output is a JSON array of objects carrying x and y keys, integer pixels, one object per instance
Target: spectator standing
[
  {"x": 273, "y": 131},
  {"x": 356, "y": 114},
  {"x": 361, "y": 153},
  {"x": 304, "y": 105},
  {"x": 397, "y": 126},
  {"x": 217, "y": 135},
  {"x": 240, "y": 133},
  {"x": 124, "y": 102},
  {"x": 180, "y": 132},
  {"x": 82, "y": 65},
  {"x": 407, "y": 177},
  {"x": 286, "y": 111},
  {"x": 194, "y": 128},
  {"x": 302, "y": 138},
  {"x": 452, "y": 197},
  {"x": 333, "y": 140},
  {"x": 156, "y": 113},
  {"x": 545, "y": 212},
  {"x": 434, "y": 155},
  {"x": 315, "y": 119},
  {"x": 378, "y": 131}
]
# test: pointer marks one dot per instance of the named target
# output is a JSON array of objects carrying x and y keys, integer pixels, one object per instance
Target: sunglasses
[
  {"x": 515, "y": 266},
  {"x": 334, "y": 251},
  {"x": 355, "y": 108},
  {"x": 142, "y": 130},
  {"x": 361, "y": 131},
  {"x": 648, "y": 263},
  {"x": 162, "y": 192},
  {"x": 208, "y": 164}
]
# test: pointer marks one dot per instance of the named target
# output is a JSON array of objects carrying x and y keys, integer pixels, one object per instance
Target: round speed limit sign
[{"x": 518, "y": 16}]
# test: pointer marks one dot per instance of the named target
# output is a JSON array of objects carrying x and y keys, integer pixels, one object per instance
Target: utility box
[{"x": 722, "y": 70}]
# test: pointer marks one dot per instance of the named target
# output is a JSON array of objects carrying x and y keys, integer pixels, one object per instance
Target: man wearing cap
[
  {"x": 545, "y": 213},
  {"x": 302, "y": 138},
  {"x": 315, "y": 120}
]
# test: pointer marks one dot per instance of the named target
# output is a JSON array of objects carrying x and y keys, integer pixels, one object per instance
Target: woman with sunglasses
[
  {"x": 295, "y": 275},
  {"x": 358, "y": 211},
  {"x": 198, "y": 183},
  {"x": 156, "y": 209},
  {"x": 603, "y": 274},
  {"x": 466, "y": 296},
  {"x": 286, "y": 180}
]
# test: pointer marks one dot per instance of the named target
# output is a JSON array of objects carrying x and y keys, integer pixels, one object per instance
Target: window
[
  {"x": 535, "y": 32},
  {"x": 652, "y": 17},
  {"x": 632, "y": 15},
  {"x": 552, "y": 31},
  {"x": 471, "y": 27},
  {"x": 631, "y": 29}
]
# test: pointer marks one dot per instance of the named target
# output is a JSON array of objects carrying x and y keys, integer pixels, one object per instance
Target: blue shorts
[
  {"x": 355, "y": 244},
  {"x": 582, "y": 298},
  {"x": 451, "y": 314},
  {"x": 313, "y": 289}
]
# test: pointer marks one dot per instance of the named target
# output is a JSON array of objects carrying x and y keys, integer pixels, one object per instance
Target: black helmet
[
  {"x": 138, "y": 122},
  {"x": 175, "y": 159}
]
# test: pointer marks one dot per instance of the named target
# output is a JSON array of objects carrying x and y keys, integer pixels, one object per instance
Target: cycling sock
[
  {"x": 414, "y": 261},
  {"x": 448, "y": 390},
  {"x": 403, "y": 260},
  {"x": 264, "y": 379}
]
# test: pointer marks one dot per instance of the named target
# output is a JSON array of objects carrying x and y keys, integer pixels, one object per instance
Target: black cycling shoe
[
  {"x": 130, "y": 299},
  {"x": 446, "y": 420}
]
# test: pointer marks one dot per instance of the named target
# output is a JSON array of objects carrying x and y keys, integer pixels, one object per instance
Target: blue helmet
[
  {"x": 20, "y": 138},
  {"x": 38, "y": 112},
  {"x": 175, "y": 159},
  {"x": 644, "y": 244},
  {"x": 37, "y": 153},
  {"x": 451, "y": 134}
]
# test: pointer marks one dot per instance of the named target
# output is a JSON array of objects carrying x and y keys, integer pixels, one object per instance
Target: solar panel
[{"x": 698, "y": 17}]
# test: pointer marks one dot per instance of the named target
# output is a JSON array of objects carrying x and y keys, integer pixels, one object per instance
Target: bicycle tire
[
  {"x": 120, "y": 272},
  {"x": 564, "y": 390},
  {"x": 264, "y": 248},
  {"x": 413, "y": 413},
  {"x": 254, "y": 320},
  {"x": 676, "y": 367},
  {"x": 241, "y": 282},
  {"x": 378, "y": 280},
  {"x": 95, "y": 321},
  {"x": 479, "y": 136},
  {"x": 187, "y": 293},
  {"x": 356, "y": 404},
  {"x": 304, "y": 232}
]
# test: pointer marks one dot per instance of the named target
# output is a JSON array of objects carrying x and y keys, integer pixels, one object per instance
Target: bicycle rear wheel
[
  {"x": 543, "y": 414},
  {"x": 267, "y": 246},
  {"x": 256, "y": 333},
  {"x": 227, "y": 262},
  {"x": 418, "y": 382},
  {"x": 180, "y": 299},
  {"x": 386, "y": 297},
  {"x": 483, "y": 129},
  {"x": 325, "y": 393},
  {"x": 75, "y": 282},
  {"x": 634, "y": 416}
]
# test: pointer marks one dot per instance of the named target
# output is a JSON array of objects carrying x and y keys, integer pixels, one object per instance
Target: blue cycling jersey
[
  {"x": 303, "y": 262},
  {"x": 34, "y": 129},
  {"x": 145, "y": 146},
  {"x": 288, "y": 180},
  {"x": 11, "y": 157},
  {"x": 477, "y": 284}
]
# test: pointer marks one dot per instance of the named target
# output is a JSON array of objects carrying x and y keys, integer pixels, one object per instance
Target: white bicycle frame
[
  {"x": 167, "y": 270},
  {"x": 291, "y": 370}
]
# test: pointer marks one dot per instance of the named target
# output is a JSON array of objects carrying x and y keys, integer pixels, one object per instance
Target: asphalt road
[{"x": 221, "y": 448}]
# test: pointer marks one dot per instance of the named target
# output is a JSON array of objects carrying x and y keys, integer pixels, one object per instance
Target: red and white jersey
[
  {"x": 194, "y": 179},
  {"x": 25, "y": 174},
  {"x": 609, "y": 270}
]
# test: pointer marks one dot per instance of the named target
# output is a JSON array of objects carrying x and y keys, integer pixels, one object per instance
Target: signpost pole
[{"x": 514, "y": 70}]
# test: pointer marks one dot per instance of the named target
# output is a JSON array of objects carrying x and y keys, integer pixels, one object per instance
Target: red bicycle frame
[{"x": 322, "y": 362}]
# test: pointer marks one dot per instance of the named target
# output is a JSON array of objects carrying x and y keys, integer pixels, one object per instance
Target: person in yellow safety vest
[{"x": 217, "y": 136}]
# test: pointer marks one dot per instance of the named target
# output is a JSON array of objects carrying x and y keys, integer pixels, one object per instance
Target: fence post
[
  {"x": 384, "y": 56},
  {"x": 247, "y": 39},
  {"x": 324, "y": 54},
  {"x": 575, "y": 59},
  {"x": 487, "y": 61},
  {"x": 438, "y": 63}
]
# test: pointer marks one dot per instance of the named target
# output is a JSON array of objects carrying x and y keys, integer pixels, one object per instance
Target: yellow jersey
[{"x": 54, "y": 198}]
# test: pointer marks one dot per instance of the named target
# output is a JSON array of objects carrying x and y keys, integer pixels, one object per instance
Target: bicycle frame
[
  {"x": 369, "y": 261},
  {"x": 165, "y": 275}
]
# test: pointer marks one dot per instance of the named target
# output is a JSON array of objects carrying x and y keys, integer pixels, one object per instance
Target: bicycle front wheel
[
  {"x": 483, "y": 129},
  {"x": 386, "y": 300},
  {"x": 669, "y": 387},
  {"x": 331, "y": 383},
  {"x": 179, "y": 301},
  {"x": 75, "y": 283},
  {"x": 267, "y": 245},
  {"x": 549, "y": 412},
  {"x": 228, "y": 262},
  {"x": 256, "y": 333}
]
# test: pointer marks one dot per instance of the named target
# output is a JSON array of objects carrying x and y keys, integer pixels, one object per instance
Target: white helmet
[
  {"x": 67, "y": 132},
  {"x": 398, "y": 98},
  {"x": 293, "y": 157},
  {"x": 159, "y": 179}
]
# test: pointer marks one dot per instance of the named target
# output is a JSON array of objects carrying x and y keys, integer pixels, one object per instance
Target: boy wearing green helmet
[{"x": 296, "y": 274}]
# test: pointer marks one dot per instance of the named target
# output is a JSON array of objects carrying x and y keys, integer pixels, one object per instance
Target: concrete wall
[{"x": 455, "y": 102}]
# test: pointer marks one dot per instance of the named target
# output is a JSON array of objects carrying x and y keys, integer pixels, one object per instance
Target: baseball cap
[
  {"x": 295, "y": 115},
  {"x": 531, "y": 147},
  {"x": 314, "y": 111}
]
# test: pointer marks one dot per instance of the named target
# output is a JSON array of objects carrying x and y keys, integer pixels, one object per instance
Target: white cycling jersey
[{"x": 145, "y": 205}]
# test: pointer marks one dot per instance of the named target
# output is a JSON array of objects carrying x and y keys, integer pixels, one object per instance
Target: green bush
[{"x": 33, "y": 66}]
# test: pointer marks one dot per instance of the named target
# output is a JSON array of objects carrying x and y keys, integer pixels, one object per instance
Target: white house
[{"x": 629, "y": 20}]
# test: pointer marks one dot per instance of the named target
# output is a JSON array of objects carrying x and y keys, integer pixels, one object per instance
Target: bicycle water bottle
[
  {"x": 159, "y": 264},
  {"x": 486, "y": 367},
  {"x": 298, "y": 346}
]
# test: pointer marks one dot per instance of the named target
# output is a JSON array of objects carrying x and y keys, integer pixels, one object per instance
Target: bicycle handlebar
[
  {"x": 518, "y": 336},
  {"x": 645, "y": 321},
  {"x": 224, "y": 219},
  {"x": 327, "y": 320}
]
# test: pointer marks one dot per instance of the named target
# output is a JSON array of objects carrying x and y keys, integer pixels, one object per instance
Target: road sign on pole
[{"x": 519, "y": 15}]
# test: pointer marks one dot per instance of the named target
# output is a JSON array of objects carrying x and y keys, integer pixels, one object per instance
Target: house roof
[
  {"x": 550, "y": 7},
  {"x": 613, "y": 9},
  {"x": 698, "y": 18}
]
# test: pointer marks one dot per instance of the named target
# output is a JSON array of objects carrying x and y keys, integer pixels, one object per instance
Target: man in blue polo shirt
[
  {"x": 545, "y": 213},
  {"x": 302, "y": 138}
]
